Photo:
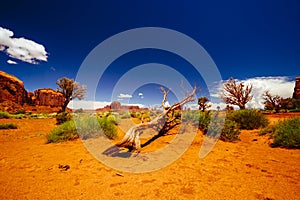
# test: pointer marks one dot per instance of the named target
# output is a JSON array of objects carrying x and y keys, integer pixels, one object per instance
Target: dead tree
[
  {"x": 132, "y": 136},
  {"x": 272, "y": 101},
  {"x": 236, "y": 93}
]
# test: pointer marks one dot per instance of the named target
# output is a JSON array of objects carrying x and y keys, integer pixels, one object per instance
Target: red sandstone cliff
[
  {"x": 12, "y": 89},
  {"x": 48, "y": 97},
  {"x": 13, "y": 96}
]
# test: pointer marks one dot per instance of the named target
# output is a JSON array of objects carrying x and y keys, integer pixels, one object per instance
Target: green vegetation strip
[{"x": 8, "y": 126}]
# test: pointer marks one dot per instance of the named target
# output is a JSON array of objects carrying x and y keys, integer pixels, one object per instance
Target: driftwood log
[{"x": 132, "y": 136}]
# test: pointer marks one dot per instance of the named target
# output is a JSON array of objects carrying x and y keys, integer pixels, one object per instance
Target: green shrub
[
  {"x": 125, "y": 115},
  {"x": 191, "y": 116},
  {"x": 197, "y": 118},
  {"x": 88, "y": 127},
  {"x": 266, "y": 130},
  {"x": 20, "y": 112},
  {"x": 17, "y": 116},
  {"x": 65, "y": 131},
  {"x": 4, "y": 115},
  {"x": 80, "y": 110},
  {"x": 286, "y": 133},
  {"x": 8, "y": 126},
  {"x": 204, "y": 121},
  {"x": 108, "y": 127},
  {"x": 230, "y": 131},
  {"x": 248, "y": 119},
  {"x": 135, "y": 114},
  {"x": 218, "y": 124},
  {"x": 63, "y": 117},
  {"x": 114, "y": 118}
]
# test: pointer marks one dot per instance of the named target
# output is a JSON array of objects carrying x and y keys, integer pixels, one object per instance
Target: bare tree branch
[
  {"x": 131, "y": 137},
  {"x": 234, "y": 93}
]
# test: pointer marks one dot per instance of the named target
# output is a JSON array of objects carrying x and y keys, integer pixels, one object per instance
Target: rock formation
[
  {"x": 296, "y": 94},
  {"x": 47, "y": 97},
  {"x": 12, "y": 89},
  {"x": 14, "y": 97},
  {"x": 116, "y": 106}
]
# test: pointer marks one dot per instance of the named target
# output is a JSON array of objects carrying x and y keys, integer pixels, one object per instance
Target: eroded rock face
[
  {"x": 296, "y": 94},
  {"x": 14, "y": 97},
  {"x": 12, "y": 89},
  {"x": 47, "y": 97}
]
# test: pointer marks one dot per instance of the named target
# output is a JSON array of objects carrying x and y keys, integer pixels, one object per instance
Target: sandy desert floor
[{"x": 248, "y": 169}]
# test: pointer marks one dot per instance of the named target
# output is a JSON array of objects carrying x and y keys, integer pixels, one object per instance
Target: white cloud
[
  {"x": 280, "y": 85},
  {"x": 21, "y": 48},
  {"x": 135, "y": 104},
  {"x": 11, "y": 62},
  {"x": 88, "y": 105},
  {"x": 93, "y": 105},
  {"x": 141, "y": 95},
  {"x": 124, "y": 96}
]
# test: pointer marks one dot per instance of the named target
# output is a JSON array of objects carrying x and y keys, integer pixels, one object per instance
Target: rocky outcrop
[
  {"x": 47, "y": 97},
  {"x": 12, "y": 89},
  {"x": 296, "y": 94},
  {"x": 14, "y": 97}
]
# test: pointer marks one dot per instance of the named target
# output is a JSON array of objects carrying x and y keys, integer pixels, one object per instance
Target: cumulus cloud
[
  {"x": 141, "y": 95},
  {"x": 20, "y": 48},
  {"x": 124, "y": 96},
  {"x": 280, "y": 85},
  {"x": 11, "y": 62},
  {"x": 93, "y": 105},
  {"x": 87, "y": 105}
]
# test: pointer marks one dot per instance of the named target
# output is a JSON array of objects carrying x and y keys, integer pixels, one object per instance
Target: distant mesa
[
  {"x": 296, "y": 94},
  {"x": 117, "y": 107},
  {"x": 14, "y": 97}
]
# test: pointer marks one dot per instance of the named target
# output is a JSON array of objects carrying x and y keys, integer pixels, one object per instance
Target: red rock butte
[
  {"x": 116, "y": 106},
  {"x": 14, "y": 97}
]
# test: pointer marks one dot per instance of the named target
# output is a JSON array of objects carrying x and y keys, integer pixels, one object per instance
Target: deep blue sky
[{"x": 244, "y": 38}]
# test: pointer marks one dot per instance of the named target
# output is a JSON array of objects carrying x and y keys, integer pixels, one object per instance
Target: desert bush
[
  {"x": 65, "y": 131},
  {"x": 248, "y": 119},
  {"x": 87, "y": 127},
  {"x": 20, "y": 112},
  {"x": 4, "y": 115},
  {"x": 197, "y": 118},
  {"x": 204, "y": 121},
  {"x": 286, "y": 133},
  {"x": 218, "y": 124},
  {"x": 63, "y": 117},
  {"x": 80, "y": 110},
  {"x": 294, "y": 110},
  {"x": 17, "y": 116},
  {"x": 144, "y": 115},
  {"x": 125, "y": 115},
  {"x": 191, "y": 116},
  {"x": 135, "y": 115},
  {"x": 108, "y": 127},
  {"x": 36, "y": 116},
  {"x": 114, "y": 118},
  {"x": 8, "y": 126},
  {"x": 230, "y": 131}
]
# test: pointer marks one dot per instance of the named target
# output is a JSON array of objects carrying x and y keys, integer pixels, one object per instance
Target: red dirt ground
[{"x": 248, "y": 169}]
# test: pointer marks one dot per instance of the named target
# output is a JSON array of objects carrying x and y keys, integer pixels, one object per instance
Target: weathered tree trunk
[{"x": 132, "y": 136}]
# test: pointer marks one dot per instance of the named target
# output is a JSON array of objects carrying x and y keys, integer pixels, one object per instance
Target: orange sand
[{"x": 248, "y": 169}]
